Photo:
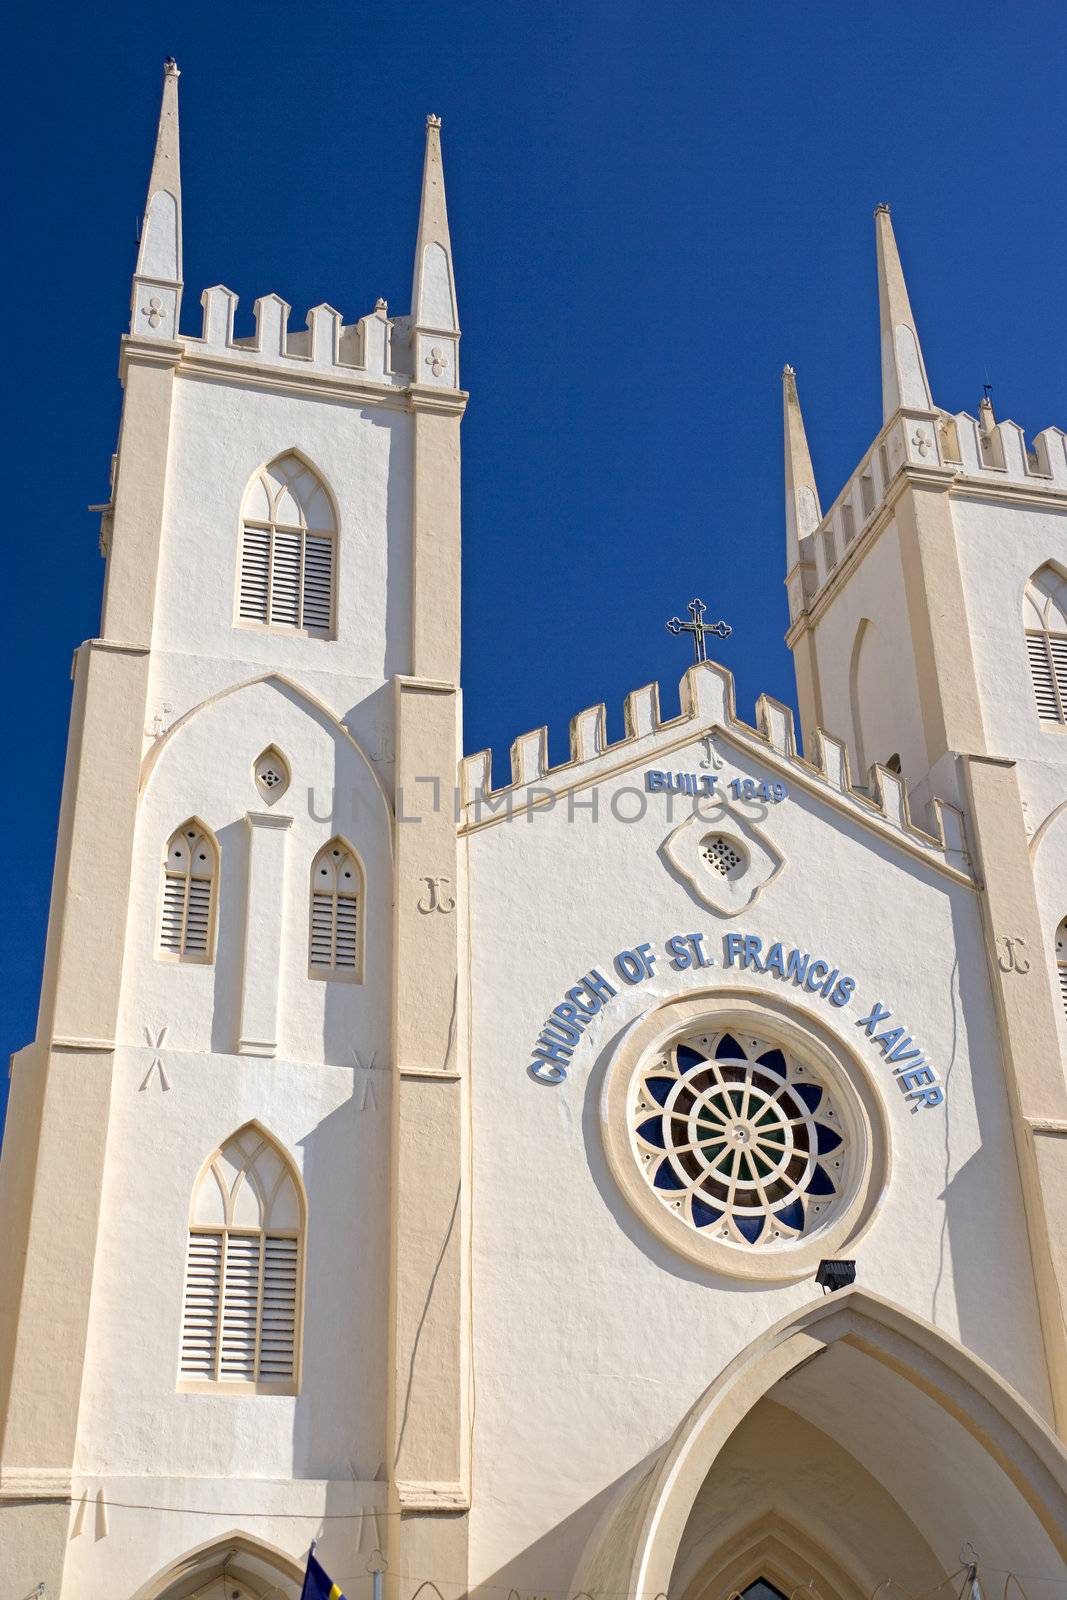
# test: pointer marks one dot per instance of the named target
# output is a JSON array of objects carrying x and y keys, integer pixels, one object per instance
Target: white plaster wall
[
  {"x": 133, "y": 1421},
  {"x": 1050, "y": 877},
  {"x": 204, "y": 769},
  {"x": 318, "y": 1097},
  {"x": 890, "y": 713},
  {"x": 1000, "y": 546},
  {"x": 221, "y": 434},
  {"x": 592, "y": 1338}
]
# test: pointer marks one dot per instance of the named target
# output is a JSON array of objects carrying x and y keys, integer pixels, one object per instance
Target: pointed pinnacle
[
  {"x": 904, "y": 380},
  {"x": 802, "y": 509}
]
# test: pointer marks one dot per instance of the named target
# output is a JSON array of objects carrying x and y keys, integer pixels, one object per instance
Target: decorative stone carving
[
  {"x": 156, "y": 1065},
  {"x": 701, "y": 846}
]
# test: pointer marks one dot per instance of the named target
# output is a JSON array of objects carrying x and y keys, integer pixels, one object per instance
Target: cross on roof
[{"x": 698, "y": 628}]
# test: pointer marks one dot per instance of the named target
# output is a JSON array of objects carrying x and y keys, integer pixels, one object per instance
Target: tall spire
[
  {"x": 803, "y": 512},
  {"x": 157, "y": 279},
  {"x": 904, "y": 381},
  {"x": 434, "y": 318}
]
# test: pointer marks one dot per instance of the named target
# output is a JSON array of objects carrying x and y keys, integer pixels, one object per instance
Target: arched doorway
[
  {"x": 236, "y": 1567},
  {"x": 849, "y": 1445}
]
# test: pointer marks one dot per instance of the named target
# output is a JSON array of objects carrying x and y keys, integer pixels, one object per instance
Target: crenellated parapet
[
  {"x": 957, "y": 448},
  {"x": 708, "y": 707},
  {"x": 918, "y": 439},
  {"x": 326, "y": 345}
]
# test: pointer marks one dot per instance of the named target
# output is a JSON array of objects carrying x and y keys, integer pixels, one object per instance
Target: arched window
[
  {"x": 1061, "y": 960},
  {"x": 190, "y": 873},
  {"x": 288, "y": 532},
  {"x": 244, "y": 1269},
  {"x": 1045, "y": 620},
  {"x": 336, "y": 945}
]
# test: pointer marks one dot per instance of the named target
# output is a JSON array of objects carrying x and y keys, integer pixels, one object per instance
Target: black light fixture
[{"x": 833, "y": 1275}]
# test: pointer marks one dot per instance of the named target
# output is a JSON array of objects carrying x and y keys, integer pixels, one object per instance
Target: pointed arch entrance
[
  {"x": 878, "y": 1440},
  {"x": 237, "y": 1562}
]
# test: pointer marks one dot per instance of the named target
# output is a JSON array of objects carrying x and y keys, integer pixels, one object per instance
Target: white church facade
[{"x": 444, "y": 1166}]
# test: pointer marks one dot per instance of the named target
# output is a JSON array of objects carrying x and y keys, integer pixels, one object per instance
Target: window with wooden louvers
[
  {"x": 188, "y": 895},
  {"x": 244, "y": 1270},
  {"x": 287, "y": 579},
  {"x": 239, "y": 1324},
  {"x": 1047, "y": 653},
  {"x": 335, "y": 888}
]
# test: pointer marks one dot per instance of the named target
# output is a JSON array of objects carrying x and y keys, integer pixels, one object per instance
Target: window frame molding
[
  {"x": 1042, "y": 605},
  {"x": 173, "y": 957},
  {"x": 837, "y": 1067},
  {"x": 219, "y": 1386},
  {"x": 318, "y": 974},
  {"x": 285, "y": 629}
]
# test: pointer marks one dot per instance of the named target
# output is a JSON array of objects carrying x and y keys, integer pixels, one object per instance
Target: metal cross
[{"x": 698, "y": 628}]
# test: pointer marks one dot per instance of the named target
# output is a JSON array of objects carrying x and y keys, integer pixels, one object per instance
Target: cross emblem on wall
[{"x": 698, "y": 628}]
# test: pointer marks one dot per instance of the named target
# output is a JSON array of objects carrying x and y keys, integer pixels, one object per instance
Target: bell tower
[
  {"x": 928, "y": 625},
  {"x": 252, "y": 978}
]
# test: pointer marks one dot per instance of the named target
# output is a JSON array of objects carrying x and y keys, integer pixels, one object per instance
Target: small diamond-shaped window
[{"x": 271, "y": 774}]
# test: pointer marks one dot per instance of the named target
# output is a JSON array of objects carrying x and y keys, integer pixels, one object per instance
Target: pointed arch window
[
  {"x": 288, "y": 550},
  {"x": 1061, "y": 961},
  {"x": 336, "y": 937},
  {"x": 244, "y": 1273},
  {"x": 1045, "y": 620},
  {"x": 190, "y": 876}
]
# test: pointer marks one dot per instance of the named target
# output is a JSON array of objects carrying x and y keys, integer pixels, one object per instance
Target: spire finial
[
  {"x": 803, "y": 513},
  {"x": 435, "y": 321},
  {"x": 157, "y": 281},
  {"x": 904, "y": 380}
]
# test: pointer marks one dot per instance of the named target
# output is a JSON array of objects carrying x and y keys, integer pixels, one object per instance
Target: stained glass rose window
[{"x": 740, "y": 1139}]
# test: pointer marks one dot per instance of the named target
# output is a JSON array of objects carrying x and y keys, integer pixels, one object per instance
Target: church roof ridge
[{"x": 708, "y": 703}]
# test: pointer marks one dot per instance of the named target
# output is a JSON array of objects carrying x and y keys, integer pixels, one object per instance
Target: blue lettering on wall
[{"x": 564, "y": 1027}]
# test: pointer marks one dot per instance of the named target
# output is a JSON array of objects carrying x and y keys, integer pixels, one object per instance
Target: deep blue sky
[{"x": 652, "y": 207}]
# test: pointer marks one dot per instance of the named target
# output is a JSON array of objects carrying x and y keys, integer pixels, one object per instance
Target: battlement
[
  {"x": 708, "y": 705},
  {"x": 375, "y": 349},
  {"x": 959, "y": 445}
]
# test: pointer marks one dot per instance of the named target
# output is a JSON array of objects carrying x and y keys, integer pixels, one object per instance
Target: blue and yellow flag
[{"x": 317, "y": 1586}]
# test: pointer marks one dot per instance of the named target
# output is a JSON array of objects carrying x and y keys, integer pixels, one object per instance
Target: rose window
[{"x": 739, "y": 1139}]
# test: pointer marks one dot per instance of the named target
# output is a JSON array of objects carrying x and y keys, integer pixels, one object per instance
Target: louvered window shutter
[
  {"x": 200, "y": 1322},
  {"x": 172, "y": 930},
  {"x": 277, "y": 1342},
  {"x": 345, "y": 933},
  {"x": 322, "y": 930},
  {"x": 336, "y": 885},
  {"x": 189, "y": 873},
  {"x": 318, "y": 582},
  {"x": 240, "y": 1307},
  {"x": 240, "y": 1318},
  {"x": 1048, "y": 671},
  {"x": 334, "y": 931},
  {"x": 1058, "y": 649},
  {"x": 1062, "y": 970},
  {"x": 255, "y": 574},
  {"x": 285, "y": 583},
  {"x": 287, "y": 578}
]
